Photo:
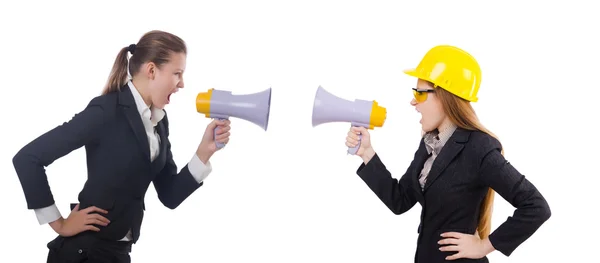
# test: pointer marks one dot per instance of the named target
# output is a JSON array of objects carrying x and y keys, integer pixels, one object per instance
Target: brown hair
[
  {"x": 461, "y": 113},
  {"x": 155, "y": 46}
]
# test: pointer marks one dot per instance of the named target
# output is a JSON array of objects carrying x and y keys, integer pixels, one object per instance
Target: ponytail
[
  {"x": 118, "y": 74},
  {"x": 155, "y": 46}
]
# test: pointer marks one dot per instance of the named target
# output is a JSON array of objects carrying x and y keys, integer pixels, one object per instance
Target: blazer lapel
[
  {"x": 135, "y": 120},
  {"x": 447, "y": 154}
]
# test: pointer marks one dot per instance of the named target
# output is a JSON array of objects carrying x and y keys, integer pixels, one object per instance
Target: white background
[{"x": 291, "y": 194}]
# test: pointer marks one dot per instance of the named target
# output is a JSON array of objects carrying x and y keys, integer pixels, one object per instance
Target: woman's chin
[
  {"x": 426, "y": 128},
  {"x": 159, "y": 105}
]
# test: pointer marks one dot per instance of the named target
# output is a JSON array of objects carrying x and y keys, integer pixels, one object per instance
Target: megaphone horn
[
  {"x": 330, "y": 108},
  {"x": 221, "y": 104}
]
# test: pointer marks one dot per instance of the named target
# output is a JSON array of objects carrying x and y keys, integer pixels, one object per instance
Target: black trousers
[{"x": 86, "y": 248}]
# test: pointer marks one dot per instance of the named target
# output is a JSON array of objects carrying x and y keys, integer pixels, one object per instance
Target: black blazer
[
  {"x": 460, "y": 177},
  {"x": 118, "y": 163}
]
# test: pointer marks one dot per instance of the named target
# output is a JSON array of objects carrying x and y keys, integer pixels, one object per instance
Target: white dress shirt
[{"x": 150, "y": 117}]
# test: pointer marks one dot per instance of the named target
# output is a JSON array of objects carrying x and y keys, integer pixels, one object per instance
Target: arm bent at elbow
[
  {"x": 397, "y": 195},
  {"x": 173, "y": 188},
  {"x": 30, "y": 161},
  {"x": 532, "y": 209}
]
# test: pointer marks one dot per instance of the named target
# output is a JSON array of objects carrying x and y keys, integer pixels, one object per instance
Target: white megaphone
[
  {"x": 330, "y": 108},
  {"x": 220, "y": 104}
]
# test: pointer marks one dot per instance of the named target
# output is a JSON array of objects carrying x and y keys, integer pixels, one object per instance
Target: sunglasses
[{"x": 421, "y": 94}]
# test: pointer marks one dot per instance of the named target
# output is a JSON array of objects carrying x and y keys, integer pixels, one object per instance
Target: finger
[
  {"x": 450, "y": 248},
  {"x": 99, "y": 217},
  {"x": 361, "y": 129},
  {"x": 353, "y": 135},
  {"x": 95, "y": 221},
  {"x": 356, "y": 130},
  {"x": 224, "y": 141},
  {"x": 351, "y": 140},
  {"x": 223, "y": 129},
  {"x": 91, "y": 227},
  {"x": 76, "y": 208},
  {"x": 351, "y": 145},
  {"x": 94, "y": 209},
  {"x": 455, "y": 256},
  {"x": 222, "y": 122},
  {"x": 449, "y": 241},
  {"x": 223, "y": 136},
  {"x": 452, "y": 234},
  {"x": 213, "y": 124}
]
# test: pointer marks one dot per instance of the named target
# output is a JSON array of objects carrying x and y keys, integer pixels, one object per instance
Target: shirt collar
[
  {"x": 436, "y": 139},
  {"x": 149, "y": 113}
]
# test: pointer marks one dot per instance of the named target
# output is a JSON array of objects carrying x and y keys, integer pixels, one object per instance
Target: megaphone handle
[
  {"x": 218, "y": 144},
  {"x": 353, "y": 150}
]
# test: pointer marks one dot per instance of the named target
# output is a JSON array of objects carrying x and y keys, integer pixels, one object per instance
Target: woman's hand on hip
[
  {"x": 465, "y": 245},
  {"x": 208, "y": 146},
  {"x": 365, "y": 151},
  {"x": 79, "y": 221}
]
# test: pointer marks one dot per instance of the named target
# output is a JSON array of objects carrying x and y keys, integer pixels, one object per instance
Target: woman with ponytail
[
  {"x": 456, "y": 170},
  {"x": 125, "y": 132}
]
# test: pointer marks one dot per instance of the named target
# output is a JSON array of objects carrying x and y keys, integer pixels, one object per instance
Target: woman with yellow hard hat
[{"x": 456, "y": 169}]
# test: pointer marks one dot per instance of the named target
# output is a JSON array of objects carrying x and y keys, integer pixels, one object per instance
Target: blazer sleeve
[
  {"x": 174, "y": 187},
  {"x": 29, "y": 162},
  {"x": 531, "y": 212},
  {"x": 397, "y": 195}
]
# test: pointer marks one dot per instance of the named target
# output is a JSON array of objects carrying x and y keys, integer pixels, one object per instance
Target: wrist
[
  {"x": 203, "y": 154},
  {"x": 57, "y": 224},
  {"x": 368, "y": 155},
  {"x": 487, "y": 246}
]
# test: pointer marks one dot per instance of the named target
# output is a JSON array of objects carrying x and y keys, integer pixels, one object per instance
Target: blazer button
[{"x": 80, "y": 251}]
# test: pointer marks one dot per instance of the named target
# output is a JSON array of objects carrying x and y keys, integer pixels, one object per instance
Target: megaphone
[
  {"x": 221, "y": 104},
  {"x": 330, "y": 108}
]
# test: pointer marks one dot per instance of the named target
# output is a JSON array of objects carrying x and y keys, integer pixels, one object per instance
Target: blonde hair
[{"x": 461, "y": 113}]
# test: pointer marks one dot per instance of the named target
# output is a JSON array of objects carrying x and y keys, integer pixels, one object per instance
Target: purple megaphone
[
  {"x": 221, "y": 104},
  {"x": 330, "y": 108}
]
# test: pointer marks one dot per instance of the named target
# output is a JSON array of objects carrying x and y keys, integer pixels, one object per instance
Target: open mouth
[{"x": 169, "y": 96}]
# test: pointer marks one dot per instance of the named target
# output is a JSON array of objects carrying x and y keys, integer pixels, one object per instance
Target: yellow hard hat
[{"x": 452, "y": 69}]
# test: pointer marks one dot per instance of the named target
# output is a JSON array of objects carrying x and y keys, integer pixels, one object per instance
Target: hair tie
[{"x": 131, "y": 48}]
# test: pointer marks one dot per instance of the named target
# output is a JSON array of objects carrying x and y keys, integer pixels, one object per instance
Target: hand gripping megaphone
[
  {"x": 221, "y": 104},
  {"x": 330, "y": 108}
]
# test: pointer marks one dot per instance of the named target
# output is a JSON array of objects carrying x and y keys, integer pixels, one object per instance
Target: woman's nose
[{"x": 413, "y": 102}]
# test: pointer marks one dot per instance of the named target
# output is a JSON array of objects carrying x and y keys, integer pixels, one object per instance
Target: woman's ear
[{"x": 150, "y": 70}]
